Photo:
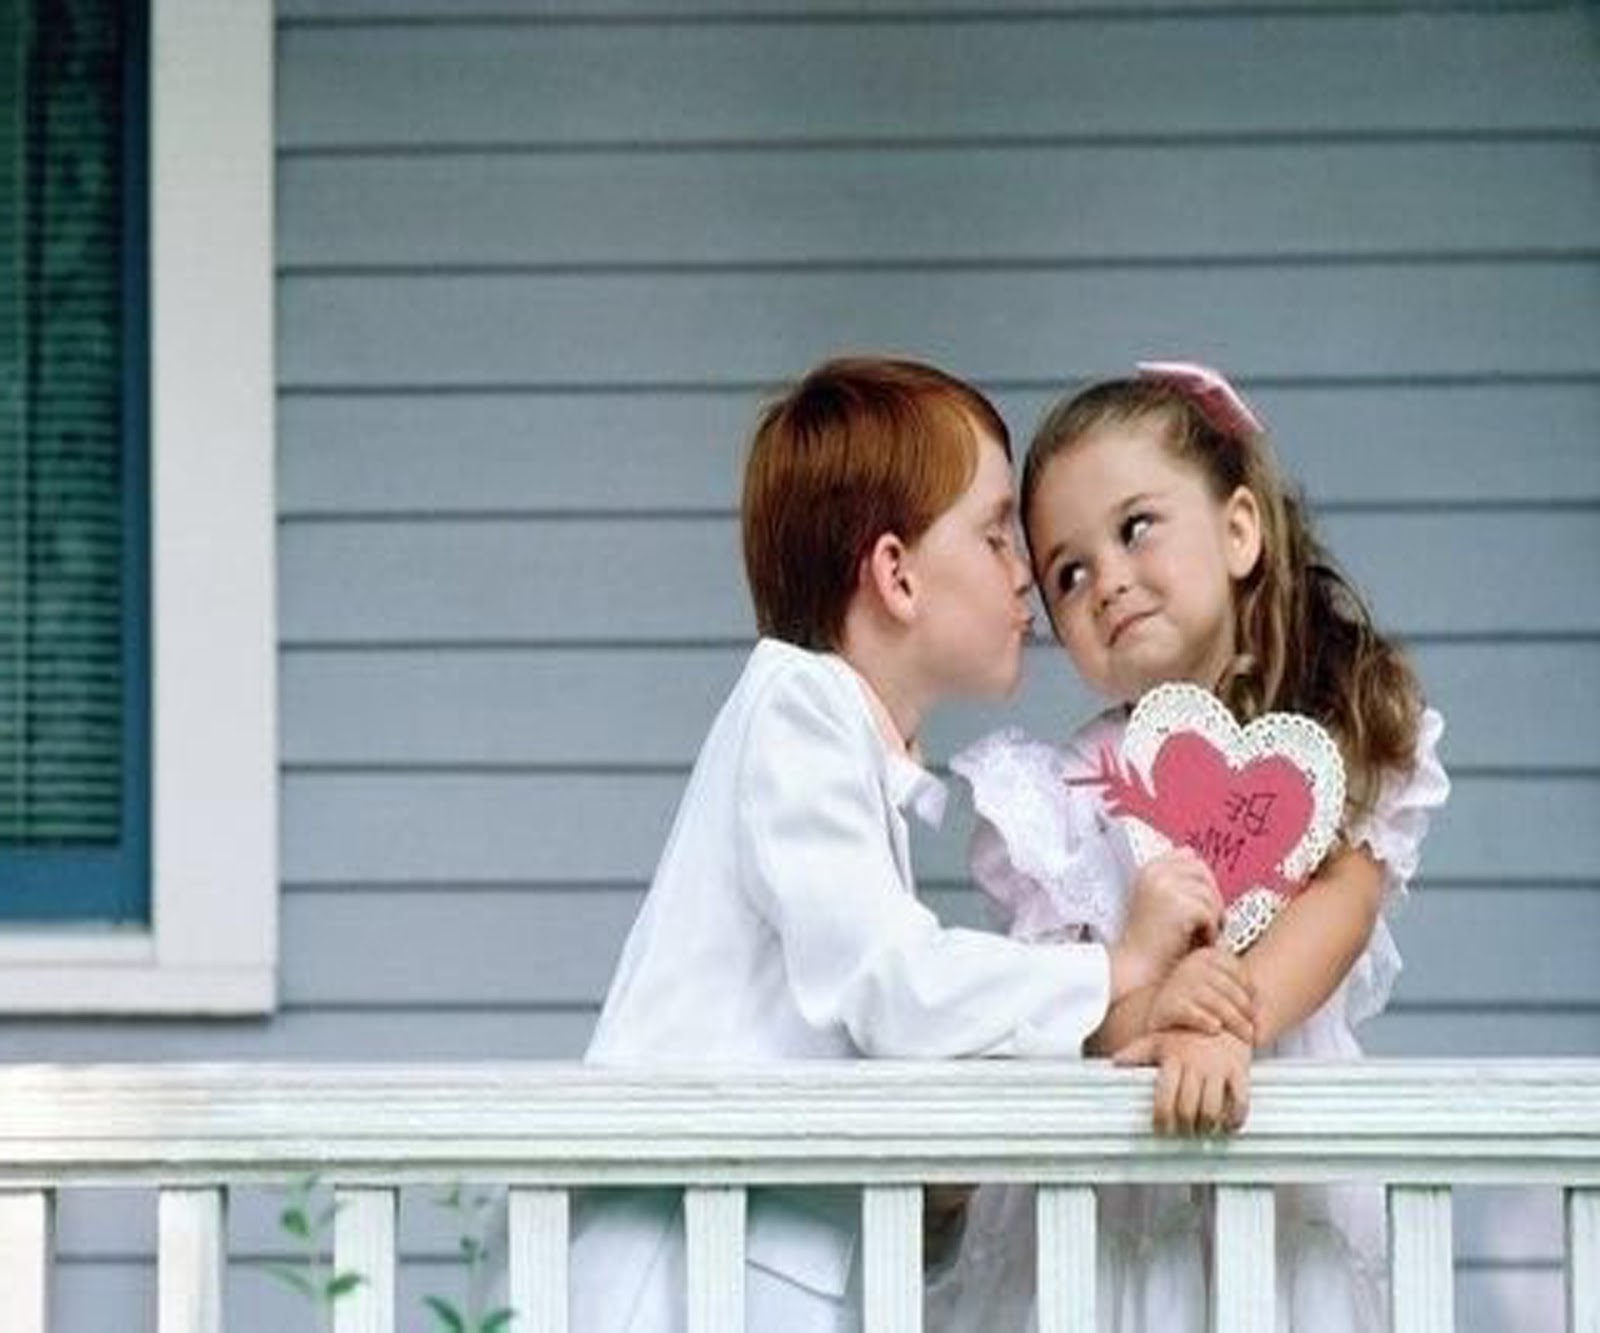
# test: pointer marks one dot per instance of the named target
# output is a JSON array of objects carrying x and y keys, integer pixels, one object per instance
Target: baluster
[
  {"x": 363, "y": 1242},
  {"x": 1244, "y": 1288},
  {"x": 714, "y": 1226},
  {"x": 27, "y": 1242},
  {"x": 1422, "y": 1281},
  {"x": 191, "y": 1260},
  {"x": 1066, "y": 1259},
  {"x": 1583, "y": 1260},
  {"x": 539, "y": 1226},
  {"x": 891, "y": 1229}
]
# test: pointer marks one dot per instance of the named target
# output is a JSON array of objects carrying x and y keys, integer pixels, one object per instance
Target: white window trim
[{"x": 212, "y": 946}]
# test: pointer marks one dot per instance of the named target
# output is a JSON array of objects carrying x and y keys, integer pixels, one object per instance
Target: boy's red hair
[{"x": 859, "y": 448}]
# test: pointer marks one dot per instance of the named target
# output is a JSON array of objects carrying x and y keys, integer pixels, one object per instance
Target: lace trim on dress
[{"x": 1037, "y": 850}]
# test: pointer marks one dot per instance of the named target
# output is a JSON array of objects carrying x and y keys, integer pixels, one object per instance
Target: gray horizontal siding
[
  {"x": 487, "y": 946},
  {"x": 578, "y": 827},
  {"x": 490, "y": 708},
  {"x": 538, "y": 452},
  {"x": 1075, "y": 205},
  {"x": 680, "y": 579},
  {"x": 575, "y": 84},
  {"x": 1469, "y": 320},
  {"x": 321, "y": 12}
]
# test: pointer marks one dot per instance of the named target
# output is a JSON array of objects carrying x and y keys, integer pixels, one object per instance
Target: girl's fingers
[
  {"x": 1139, "y": 1051},
  {"x": 1232, "y": 991},
  {"x": 1213, "y": 1094},
  {"x": 1238, "y": 1098},
  {"x": 1230, "y": 1016},
  {"x": 1186, "y": 1111},
  {"x": 1163, "y": 1109}
]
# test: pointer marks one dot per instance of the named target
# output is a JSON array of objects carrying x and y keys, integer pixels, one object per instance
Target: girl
[
  {"x": 1167, "y": 547},
  {"x": 783, "y": 923}
]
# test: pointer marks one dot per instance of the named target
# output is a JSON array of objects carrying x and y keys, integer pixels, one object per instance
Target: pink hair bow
[{"x": 1217, "y": 400}]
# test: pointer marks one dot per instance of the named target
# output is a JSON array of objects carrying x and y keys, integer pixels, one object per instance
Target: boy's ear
[
  {"x": 1242, "y": 524},
  {"x": 887, "y": 571}
]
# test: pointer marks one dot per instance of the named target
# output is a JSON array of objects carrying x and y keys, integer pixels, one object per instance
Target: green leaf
[
  {"x": 497, "y": 1320},
  {"x": 343, "y": 1285},
  {"x": 290, "y": 1276},
  {"x": 295, "y": 1222},
  {"x": 447, "y": 1314},
  {"x": 472, "y": 1249}
]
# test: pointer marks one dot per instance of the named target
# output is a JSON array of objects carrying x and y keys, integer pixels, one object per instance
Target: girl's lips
[{"x": 1125, "y": 624}]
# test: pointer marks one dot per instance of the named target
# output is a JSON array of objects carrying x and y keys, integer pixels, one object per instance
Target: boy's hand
[
  {"x": 1175, "y": 902},
  {"x": 1204, "y": 1083},
  {"x": 1210, "y": 991}
]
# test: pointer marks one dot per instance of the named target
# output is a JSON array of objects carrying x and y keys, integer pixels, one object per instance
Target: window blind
[{"x": 64, "y": 419}]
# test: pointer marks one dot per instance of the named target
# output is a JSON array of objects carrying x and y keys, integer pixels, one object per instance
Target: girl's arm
[
  {"x": 1204, "y": 1082},
  {"x": 1315, "y": 941}
]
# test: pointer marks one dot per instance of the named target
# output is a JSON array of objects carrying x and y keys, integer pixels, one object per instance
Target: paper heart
[{"x": 1261, "y": 804}]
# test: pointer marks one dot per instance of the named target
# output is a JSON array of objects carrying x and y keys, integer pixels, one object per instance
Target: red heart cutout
[{"x": 1243, "y": 821}]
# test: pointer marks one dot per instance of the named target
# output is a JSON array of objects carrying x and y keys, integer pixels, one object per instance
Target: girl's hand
[
  {"x": 1204, "y": 1083},
  {"x": 1210, "y": 991}
]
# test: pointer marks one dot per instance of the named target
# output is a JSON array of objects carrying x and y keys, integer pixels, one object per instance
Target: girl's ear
[
  {"x": 887, "y": 571},
  {"x": 1241, "y": 517}
]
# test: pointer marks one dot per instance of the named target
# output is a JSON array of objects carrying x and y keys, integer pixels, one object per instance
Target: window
[
  {"x": 74, "y": 703},
  {"x": 203, "y": 939}
]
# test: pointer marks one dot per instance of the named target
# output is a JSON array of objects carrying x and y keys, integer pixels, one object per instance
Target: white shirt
[
  {"x": 783, "y": 921},
  {"x": 783, "y": 924}
]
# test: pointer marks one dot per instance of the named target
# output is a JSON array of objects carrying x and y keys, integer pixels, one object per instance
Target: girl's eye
[
  {"x": 1068, "y": 579},
  {"x": 1135, "y": 526}
]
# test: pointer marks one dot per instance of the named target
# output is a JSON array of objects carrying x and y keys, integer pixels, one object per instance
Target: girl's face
[
  {"x": 1137, "y": 560},
  {"x": 972, "y": 584}
]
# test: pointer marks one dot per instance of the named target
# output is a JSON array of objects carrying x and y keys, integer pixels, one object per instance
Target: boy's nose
[{"x": 1021, "y": 574}]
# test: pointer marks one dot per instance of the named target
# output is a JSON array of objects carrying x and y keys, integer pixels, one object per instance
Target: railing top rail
[{"x": 1444, "y": 1121}]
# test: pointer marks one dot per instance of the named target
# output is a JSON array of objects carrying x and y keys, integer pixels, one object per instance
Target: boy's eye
[
  {"x": 1135, "y": 526},
  {"x": 999, "y": 539}
]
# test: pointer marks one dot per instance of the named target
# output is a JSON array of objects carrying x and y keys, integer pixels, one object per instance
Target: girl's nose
[{"x": 1111, "y": 581}]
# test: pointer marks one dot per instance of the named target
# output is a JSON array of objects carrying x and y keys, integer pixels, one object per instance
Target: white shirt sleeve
[{"x": 817, "y": 860}]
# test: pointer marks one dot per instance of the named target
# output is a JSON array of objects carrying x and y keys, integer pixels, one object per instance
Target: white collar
[{"x": 911, "y": 787}]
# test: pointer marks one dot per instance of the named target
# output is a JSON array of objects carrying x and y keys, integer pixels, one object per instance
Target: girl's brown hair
[
  {"x": 1306, "y": 642},
  {"x": 860, "y": 447}
]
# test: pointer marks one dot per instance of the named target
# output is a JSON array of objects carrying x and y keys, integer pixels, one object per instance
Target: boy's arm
[
  {"x": 1128, "y": 1018},
  {"x": 818, "y": 863},
  {"x": 1314, "y": 942}
]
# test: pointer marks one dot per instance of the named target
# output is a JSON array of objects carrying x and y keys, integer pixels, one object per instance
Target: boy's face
[{"x": 972, "y": 584}]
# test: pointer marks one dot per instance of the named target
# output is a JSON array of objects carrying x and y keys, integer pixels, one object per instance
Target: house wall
[{"x": 537, "y": 268}]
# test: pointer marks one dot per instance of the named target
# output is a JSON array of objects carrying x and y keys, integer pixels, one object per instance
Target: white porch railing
[{"x": 1418, "y": 1127}]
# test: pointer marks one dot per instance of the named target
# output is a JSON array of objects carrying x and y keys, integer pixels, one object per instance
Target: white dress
[{"x": 1058, "y": 867}]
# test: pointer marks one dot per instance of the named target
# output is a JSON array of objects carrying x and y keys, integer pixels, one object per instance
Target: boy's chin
[{"x": 1004, "y": 684}]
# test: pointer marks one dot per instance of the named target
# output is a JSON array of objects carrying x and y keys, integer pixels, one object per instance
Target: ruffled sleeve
[
  {"x": 1393, "y": 832},
  {"x": 1038, "y": 851}
]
